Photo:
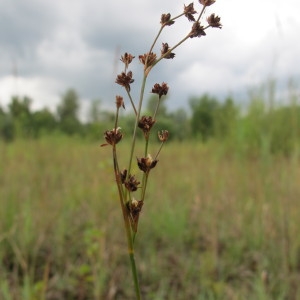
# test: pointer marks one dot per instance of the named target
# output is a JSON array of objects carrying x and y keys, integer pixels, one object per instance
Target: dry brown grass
[{"x": 215, "y": 226}]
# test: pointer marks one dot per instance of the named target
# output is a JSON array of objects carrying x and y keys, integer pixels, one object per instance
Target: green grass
[{"x": 213, "y": 224}]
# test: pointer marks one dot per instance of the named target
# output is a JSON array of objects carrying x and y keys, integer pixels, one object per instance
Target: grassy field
[{"x": 215, "y": 224}]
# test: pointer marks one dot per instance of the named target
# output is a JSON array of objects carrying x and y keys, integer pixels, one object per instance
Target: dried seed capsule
[
  {"x": 146, "y": 163},
  {"x": 163, "y": 135},
  {"x": 113, "y": 136}
]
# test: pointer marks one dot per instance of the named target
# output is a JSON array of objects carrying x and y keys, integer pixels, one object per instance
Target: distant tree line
[{"x": 257, "y": 128}]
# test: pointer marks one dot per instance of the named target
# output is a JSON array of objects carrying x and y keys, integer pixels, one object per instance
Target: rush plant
[{"x": 132, "y": 187}]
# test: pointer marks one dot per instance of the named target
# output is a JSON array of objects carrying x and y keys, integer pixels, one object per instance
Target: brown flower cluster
[
  {"x": 146, "y": 123},
  {"x": 148, "y": 59},
  {"x": 113, "y": 136},
  {"x": 123, "y": 175},
  {"x": 146, "y": 163},
  {"x": 165, "y": 51},
  {"x": 197, "y": 30},
  {"x": 207, "y": 2},
  {"x": 127, "y": 59},
  {"x": 120, "y": 102},
  {"x": 134, "y": 207},
  {"x": 163, "y": 135},
  {"x": 125, "y": 79},
  {"x": 165, "y": 20},
  {"x": 131, "y": 183},
  {"x": 189, "y": 11},
  {"x": 160, "y": 90},
  {"x": 214, "y": 21}
]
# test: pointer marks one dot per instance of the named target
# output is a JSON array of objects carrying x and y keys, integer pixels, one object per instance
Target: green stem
[
  {"x": 131, "y": 252},
  {"x": 145, "y": 180},
  {"x": 136, "y": 122},
  {"x": 177, "y": 17},
  {"x": 183, "y": 40},
  {"x": 145, "y": 175},
  {"x": 159, "y": 32},
  {"x": 146, "y": 145},
  {"x": 171, "y": 49},
  {"x": 156, "y": 109},
  {"x": 160, "y": 147},
  {"x": 116, "y": 119},
  {"x": 201, "y": 13},
  {"x": 127, "y": 227},
  {"x": 135, "y": 276},
  {"x": 155, "y": 40},
  {"x": 131, "y": 256},
  {"x": 131, "y": 101}
]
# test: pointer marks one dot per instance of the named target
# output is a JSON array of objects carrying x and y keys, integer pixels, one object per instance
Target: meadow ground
[{"x": 215, "y": 224}]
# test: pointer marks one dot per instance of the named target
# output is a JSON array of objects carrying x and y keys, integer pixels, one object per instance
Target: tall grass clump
[
  {"x": 267, "y": 123},
  {"x": 228, "y": 230},
  {"x": 131, "y": 189}
]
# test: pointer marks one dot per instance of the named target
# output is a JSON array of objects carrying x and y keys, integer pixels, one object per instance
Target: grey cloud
[
  {"x": 78, "y": 44},
  {"x": 24, "y": 23}
]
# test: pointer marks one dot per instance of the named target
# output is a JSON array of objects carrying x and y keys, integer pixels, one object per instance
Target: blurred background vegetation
[
  {"x": 221, "y": 219},
  {"x": 263, "y": 122}
]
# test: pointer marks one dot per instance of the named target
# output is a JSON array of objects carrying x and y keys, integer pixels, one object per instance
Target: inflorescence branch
[{"x": 127, "y": 183}]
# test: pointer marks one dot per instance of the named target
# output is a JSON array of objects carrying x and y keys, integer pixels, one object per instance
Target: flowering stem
[
  {"x": 131, "y": 101},
  {"x": 131, "y": 252},
  {"x": 127, "y": 227},
  {"x": 161, "y": 145},
  {"x": 180, "y": 15},
  {"x": 136, "y": 121},
  {"x": 130, "y": 206},
  {"x": 144, "y": 185},
  {"x": 155, "y": 40},
  {"x": 130, "y": 238},
  {"x": 171, "y": 49},
  {"x": 156, "y": 109},
  {"x": 116, "y": 120},
  {"x": 201, "y": 13}
]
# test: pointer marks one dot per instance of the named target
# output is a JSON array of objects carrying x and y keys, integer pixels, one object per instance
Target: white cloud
[
  {"x": 201, "y": 78},
  {"x": 42, "y": 90}
]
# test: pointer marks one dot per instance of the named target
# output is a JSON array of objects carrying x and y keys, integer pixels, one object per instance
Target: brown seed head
[
  {"x": 146, "y": 123},
  {"x": 197, "y": 30},
  {"x": 113, "y": 136},
  {"x": 120, "y": 102},
  {"x": 189, "y": 12},
  {"x": 134, "y": 208},
  {"x": 165, "y": 50},
  {"x": 131, "y": 184},
  {"x": 147, "y": 59},
  {"x": 214, "y": 21},
  {"x": 160, "y": 90},
  {"x": 163, "y": 135},
  {"x": 123, "y": 175},
  {"x": 146, "y": 163},
  {"x": 125, "y": 80},
  {"x": 207, "y": 2},
  {"x": 127, "y": 59},
  {"x": 165, "y": 20}
]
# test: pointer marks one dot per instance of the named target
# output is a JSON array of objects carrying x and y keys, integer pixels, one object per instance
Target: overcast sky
[{"x": 48, "y": 46}]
